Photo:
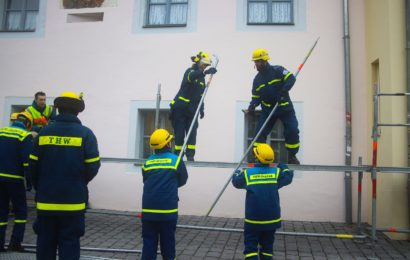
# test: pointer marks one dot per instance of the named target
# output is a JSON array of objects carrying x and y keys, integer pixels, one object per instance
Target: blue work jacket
[
  {"x": 65, "y": 158},
  {"x": 272, "y": 85},
  {"x": 191, "y": 90},
  {"x": 163, "y": 173},
  {"x": 262, "y": 183},
  {"x": 16, "y": 144}
]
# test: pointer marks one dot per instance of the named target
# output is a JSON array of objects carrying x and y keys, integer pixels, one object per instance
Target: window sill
[
  {"x": 279, "y": 24},
  {"x": 16, "y": 31},
  {"x": 164, "y": 25}
]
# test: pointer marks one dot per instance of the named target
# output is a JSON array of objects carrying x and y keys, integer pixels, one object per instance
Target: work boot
[
  {"x": 292, "y": 159},
  {"x": 190, "y": 158},
  {"x": 16, "y": 247}
]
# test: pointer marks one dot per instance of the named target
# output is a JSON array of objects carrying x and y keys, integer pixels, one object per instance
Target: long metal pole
[
  {"x": 197, "y": 110},
  {"x": 257, "y": 135},
  {"x": 158, "y": 106},
  {"x": 374, "y": 161},
  {"x": 359, "y": 198},
  {"x": 348, "y": 112}
]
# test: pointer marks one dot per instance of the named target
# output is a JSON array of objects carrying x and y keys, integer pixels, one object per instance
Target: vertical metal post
[
  {"x": 374, "y": 161},
  {"x": 348, "y": 111},
  {"x": 158, "y": 106},
  {"x": 359, "y": 198}
]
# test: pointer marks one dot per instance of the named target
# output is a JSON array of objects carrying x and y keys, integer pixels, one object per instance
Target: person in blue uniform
[
  {"x": 163, "y": 173},
  {"x": 16, "y": 143},
  {"x": 262, "y": 208},
  {"x": 64, "y": 160},
  {"x": 271, "y": 86},
  {"x": 185, "y": 103}
]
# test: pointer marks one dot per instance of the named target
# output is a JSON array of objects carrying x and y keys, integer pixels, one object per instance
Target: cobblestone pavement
[{"x": 122, "y": 230}]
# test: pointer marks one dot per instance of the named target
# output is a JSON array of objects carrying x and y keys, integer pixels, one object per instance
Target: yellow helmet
[
  {"x": 159, "y": 139},
  {"x": 13, "y": 116},
  {"x": 24, "y": 117},
  {"x": 71, "y": 101},
  {"x": 264, "y": 153},
  {"x": 260, "y": 54},
  {"x": 202, "y": 57}
]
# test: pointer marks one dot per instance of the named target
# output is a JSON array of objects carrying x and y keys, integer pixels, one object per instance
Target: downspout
[
  {"x": 408, "y": 91},
  {"x": 348, "y": 107}
]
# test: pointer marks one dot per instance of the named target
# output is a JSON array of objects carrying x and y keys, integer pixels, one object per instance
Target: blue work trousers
[
  {"x": 16, "y": 193},
  {"x": 162, "y": 231},
  {"x": 258, "y": 243},
  {"x": 181, "y": 121},
  {"x": 59, "y": 232},
  {"x": 290, "y": 127}
]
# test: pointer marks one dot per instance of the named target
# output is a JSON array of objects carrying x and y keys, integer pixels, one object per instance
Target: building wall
[
  {"x": 118, "y": 64},
  {"x": 385, "y": 45}
]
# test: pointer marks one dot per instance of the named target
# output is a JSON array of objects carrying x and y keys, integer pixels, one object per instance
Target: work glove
[
  {"x": 201, "y": 114},
  {"x": 251, "y": 109},
  {"x": 210, "y": 71},
  {"x": 40, "y": 121}
]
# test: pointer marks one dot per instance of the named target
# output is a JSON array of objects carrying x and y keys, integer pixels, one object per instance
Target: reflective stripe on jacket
[
  {"x": 262, "y": 206},
  {"x": 64, "y": 159},
  {"x": 162, "y": 174},
  {"x": 15, "y": 146}
]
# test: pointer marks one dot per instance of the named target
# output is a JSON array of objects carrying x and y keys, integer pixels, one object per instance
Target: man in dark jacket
[
  {"x": 271, "y": 86},
  {"x": 64, "y": 160},
  {"x": 41, "y": 112},
  {"x": 186, "y": 102},
  {"x": 262, "y": 207},
  {"x": 163, "y": 173},
  {"x": 16, "y": 143}
]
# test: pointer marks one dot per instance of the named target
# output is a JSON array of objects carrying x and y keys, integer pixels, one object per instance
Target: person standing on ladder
[
  {"x": 16, "y": 143},
  {"x": 163, "y": 173},
  {"x": 270, "y": 86},
  {"x": 262, "y": 208},
  {"x": 185, "y": 103},
  {"x": 41, "y": 112}
]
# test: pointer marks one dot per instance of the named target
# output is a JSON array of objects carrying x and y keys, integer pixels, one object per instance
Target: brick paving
[{"x": 122, "y": 230}]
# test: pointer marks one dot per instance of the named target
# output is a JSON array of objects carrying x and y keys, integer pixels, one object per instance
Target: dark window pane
[
  {"x": 149, "y": 122},
  {"x": 32, "y": 4},
  {"x": 178, "y": 14},
  {"x": 157, "y": 1},
  {"x": 281, "y": 12},
  {"x": 13, "y": 21},
  {"x": 15, "y": 4},
  {"x": 258, "y": 13},
  {"x": 31, "y": 17},
  {"x": 157, "y": 14}
]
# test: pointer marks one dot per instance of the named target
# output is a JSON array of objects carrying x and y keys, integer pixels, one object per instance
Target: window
[
  {"x": 270, "y": 12},
  {"x": 148, "y": 127},
  {"x": 162, "y": 13},
  {"x": 275, "y": 139},
  {"x": 18, "y": 15}
]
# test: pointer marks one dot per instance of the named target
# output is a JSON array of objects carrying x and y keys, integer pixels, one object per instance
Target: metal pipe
[
  {"x": 348, "y": 112},
  {"x": 257, "y": 135},
  {"x": 157, "y": 106},
  {"x": 393, "y": 94},
  {"x": 197, "y": 110},
  {"x": 392, "y": 124},
  {"x": 375, "y": 136},
  {"x": 97, "y": 249},
  {"x": 359, "y": 198},
  {"x": 240, "y": 230},
  {"x": 301, "y": 167},
  {"x": 392, "y": 230},
  {"x": 407, "y": 7}
]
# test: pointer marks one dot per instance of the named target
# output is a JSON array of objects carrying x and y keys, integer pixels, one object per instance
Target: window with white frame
[
  {"x": 148, "y": 127},
  {"x": 265, "y": 12},
  {"x": 18, "y": 15},
  {"x": 163, "y": 13},
  {"x": 274, "y": 139}
]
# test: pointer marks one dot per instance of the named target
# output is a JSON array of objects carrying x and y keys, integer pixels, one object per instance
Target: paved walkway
[{"x": 108, "y": 230}]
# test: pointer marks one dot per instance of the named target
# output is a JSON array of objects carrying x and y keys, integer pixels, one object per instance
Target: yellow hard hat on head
[
  {"x": 202, "y": 57},
  {"x": 24, "y": 117},
  {"x": 70, "y": 100},
  {"x": 260, "y": 54},
  {"x": 264, "y": 153},
  {"x": 159, "y": 139}
]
